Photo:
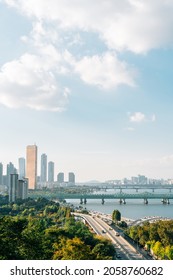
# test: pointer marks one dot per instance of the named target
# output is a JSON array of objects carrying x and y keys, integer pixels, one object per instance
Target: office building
[
  {"x": 43, "y": 173},
  {"x": 21, "y": 168},
  {"x": 60, "y": 177},
  {"x": 31, "y": 166},
  {"x": 1, "y": 173},
  {"x": 50, "y": 171},
  {"x": 71, "y": 178},
  {"x": 13, "y": 187}
]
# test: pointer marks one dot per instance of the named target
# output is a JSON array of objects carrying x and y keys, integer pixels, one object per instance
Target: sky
[{"x": 90, "y": 82}]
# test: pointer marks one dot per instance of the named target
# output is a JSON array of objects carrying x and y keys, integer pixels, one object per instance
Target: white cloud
[
  {"x": 153, "y": 118},
  {"x": 139, "y": 117},
  {"x": 134, "y": 25},
  {"x": 27, "y": 82},
  {"x": 104, "y": 71}
]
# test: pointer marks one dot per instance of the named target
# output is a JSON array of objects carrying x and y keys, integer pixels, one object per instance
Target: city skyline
[
  {"x": 28, "y": 168},
  {"x": 90, "y": 83},
  {"x": 50, "y": 176}
]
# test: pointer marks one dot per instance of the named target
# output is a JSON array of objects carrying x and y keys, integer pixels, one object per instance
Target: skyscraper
[
  {"x": 13, "y": 187},
  {"x": 18, "y": 189},
  {"x": 50, "y": 171},
  {"x": 71, "y": 178},
  {"x": 43, "y": 173},
  {"x": 22, "y": 189},
  {"x": 60, "y": 177},
  {"x": 10, "y": 170},
  {"x": 21, "y": 168},
  {"x": 31, "y": 166}
]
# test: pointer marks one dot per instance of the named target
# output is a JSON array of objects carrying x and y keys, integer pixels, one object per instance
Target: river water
[{"x": 133, "y": 209}]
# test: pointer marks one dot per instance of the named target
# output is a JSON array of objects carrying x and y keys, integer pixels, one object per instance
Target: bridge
[
  {"x": 122, "y": 197},
  {"x": 150, "y": 219},
  {"x": 136, "y": 187}
]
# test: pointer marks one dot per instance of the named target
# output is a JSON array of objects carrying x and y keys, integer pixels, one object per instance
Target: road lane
[{"x": 124, "y": 250}]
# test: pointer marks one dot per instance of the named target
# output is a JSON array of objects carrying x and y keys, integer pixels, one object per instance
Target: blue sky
[{"x": 90, "y": 82}]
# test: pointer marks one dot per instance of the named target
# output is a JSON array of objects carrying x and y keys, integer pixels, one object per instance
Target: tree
[
  {"x": 158, "y": 249},
  {"x": 103, "y": 250},
  {"x": 116, "y": 215},
  {"x": 72, "y": 249}
]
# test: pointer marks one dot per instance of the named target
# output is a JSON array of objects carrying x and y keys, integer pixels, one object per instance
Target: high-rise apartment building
[
  {"x": 60, "y": 177},
  {"x": 21, "y": 168},
  {"x": 10, "y": 170},
  {"x": 18, "y": 189},
  {"x": 22, "y": 189},
  {"x": 13, "y": 187},
  {"x": 43, "y": 173},
  {"x": 31, "y": 166},
  {"x": 71, "y": 178},
  {"x": 50, "y": 171}
]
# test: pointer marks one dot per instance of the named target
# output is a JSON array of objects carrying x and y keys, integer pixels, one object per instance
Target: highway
[{"x": 124, "y": 250}]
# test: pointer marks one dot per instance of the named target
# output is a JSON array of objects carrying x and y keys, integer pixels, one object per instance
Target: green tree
[
  {"x": 72, "y": 249},
  {"x": 116, "y": 215},
  {"x": 103, "y": 250},
  {"x": 158, "y": 249}
]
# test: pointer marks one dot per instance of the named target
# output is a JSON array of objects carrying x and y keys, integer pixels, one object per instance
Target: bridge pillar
[
  {"x": 153, "y": 190},
  {"x": 120, "y": 201},
  {"x": 103, "y": 201},
  {"x": 85, "y": 200},
  {"x": 81, "y": 201},
  {"x": 145, "y": 201},
  {"x": 165, "y": 201},
  {"x": 136, "y": 190},
  {"x": 124, "y": 201}
]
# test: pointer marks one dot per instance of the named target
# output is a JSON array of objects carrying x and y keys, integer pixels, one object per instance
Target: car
[
  {"x": 117, "y": 234},
  {"x": 103, "y": 231}
]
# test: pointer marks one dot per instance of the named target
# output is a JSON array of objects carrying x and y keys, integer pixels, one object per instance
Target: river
[{"x": 133, "y": 209}]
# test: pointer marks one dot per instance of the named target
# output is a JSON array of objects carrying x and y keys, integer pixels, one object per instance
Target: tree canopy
[{"x": 42, "y": 229}]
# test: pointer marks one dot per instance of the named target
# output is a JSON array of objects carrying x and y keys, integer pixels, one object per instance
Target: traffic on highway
[{"x": 124, "y": 250}]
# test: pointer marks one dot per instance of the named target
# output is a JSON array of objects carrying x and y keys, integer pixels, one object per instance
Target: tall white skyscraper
[
  {"x": 43, "y": 173},
  {"x": 50, "y": 171},
  {"x": 21, "y": 168}
]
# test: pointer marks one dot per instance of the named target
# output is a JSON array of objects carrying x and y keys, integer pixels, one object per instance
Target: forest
[
  {"x": 45, "y": 230},
  {"x": 156, "y": 237}
]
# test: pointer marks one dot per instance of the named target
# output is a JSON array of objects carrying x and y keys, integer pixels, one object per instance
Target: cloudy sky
[{"x": 90, "y": 82}]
